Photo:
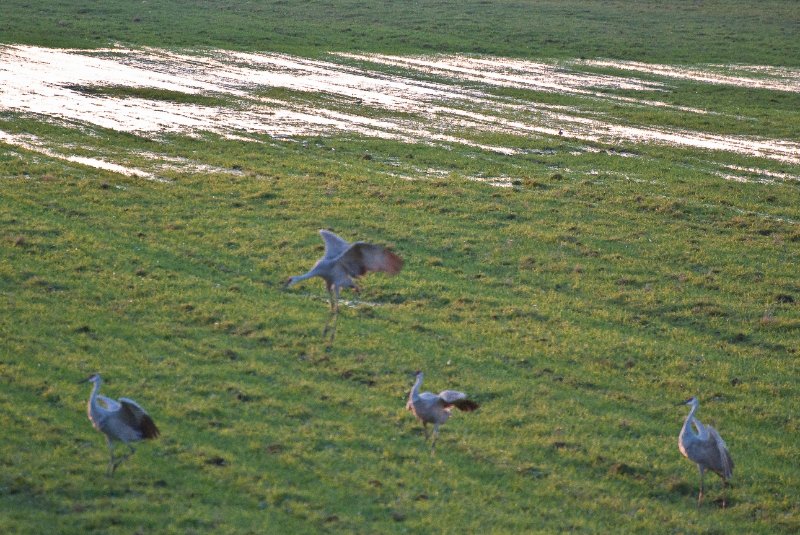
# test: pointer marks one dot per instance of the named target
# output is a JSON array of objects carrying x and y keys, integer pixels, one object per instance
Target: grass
[
  {"x": 577, "y": 311},
  {"x": 716, "y": 32},
  {"x": 150, "y": 94},
  {"x": 578, "y": 306}
]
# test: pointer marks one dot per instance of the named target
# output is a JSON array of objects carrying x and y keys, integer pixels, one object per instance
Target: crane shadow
[{"x": 721, "y": 496}]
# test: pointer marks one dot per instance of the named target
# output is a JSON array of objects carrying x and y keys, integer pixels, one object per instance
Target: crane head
[
  {"x": 289, "y": 282},
  {"x": 691, "y": 401},
  {"x": 91, "y": 379}
]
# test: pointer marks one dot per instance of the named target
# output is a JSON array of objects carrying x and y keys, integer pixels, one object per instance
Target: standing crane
[
  {"x": 705, "y": 448},
  {"x": 120, "y": 421},
  {"x": 341, "y": 263},
  {"x": 435, "y": 408}
]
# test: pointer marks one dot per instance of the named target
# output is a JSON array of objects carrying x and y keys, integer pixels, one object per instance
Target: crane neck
[
  {"x": 93, "y": 396},
  {"x": 415, "y": 388},
  {"x": 702, "y": 432},
  {"x": 687, "y": 423},
  {"x": 297, "y": 278}
]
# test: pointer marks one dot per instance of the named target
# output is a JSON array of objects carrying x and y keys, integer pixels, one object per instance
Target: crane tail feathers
[
  {"x": 393, "y": 263},
  {"x": 726, "y": 461},
  {"x": 362, "y": 258},
  {"x": 466, "y": 405},
  {"x": 149, "y": 429}
]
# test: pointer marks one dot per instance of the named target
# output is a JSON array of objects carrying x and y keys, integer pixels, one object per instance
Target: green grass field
[
  {"x": 648, "y": 30},
  {"x": 578, "y": 306}
]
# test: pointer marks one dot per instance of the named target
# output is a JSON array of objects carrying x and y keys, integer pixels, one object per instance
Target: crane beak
[
  {"x": 684, "y": 402},
  {"x": 287, "y": 283}
]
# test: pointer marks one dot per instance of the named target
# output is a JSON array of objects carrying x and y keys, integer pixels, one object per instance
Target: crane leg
[
  {"x": 111, "y": 463},
  {"x": 127, "y": 455},
  {"x": 330, "y": 325},
  {"x": 116, "y": 461},
  {"x": 724, "y": 504},
  {"x": 435, "y": 436},
  {"x": 702, "y": 487}
]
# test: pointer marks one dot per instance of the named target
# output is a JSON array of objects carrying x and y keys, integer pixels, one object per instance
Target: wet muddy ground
[{"x": 437, "y": 99}]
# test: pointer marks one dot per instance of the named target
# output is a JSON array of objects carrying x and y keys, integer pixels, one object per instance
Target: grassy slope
[
  {"x": 577, "y": 307},
  {"x": 648, "y": 30},
  {"x": 576, "y": 310}
]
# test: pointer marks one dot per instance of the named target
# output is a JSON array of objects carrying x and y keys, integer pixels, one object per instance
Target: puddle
[
  {"x": 519, "y": 74},
  {"x": 177, "y": 164},
  {"x": 505, "y": 72},
  {"x": 349, "y": 303},
  {"x": 496, "y": 181},
  {"x": 763, "y": 173},
  {"x": 772, "y": 78},
  {"x": 344, "y": 95},
  {"x": 158, "y": 162},
  {"x": 33, "y": 144}
]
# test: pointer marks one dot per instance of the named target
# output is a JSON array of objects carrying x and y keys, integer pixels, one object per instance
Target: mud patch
[
  {"x": 233, "y": 96},
  {"x": 751, "y": 76}
]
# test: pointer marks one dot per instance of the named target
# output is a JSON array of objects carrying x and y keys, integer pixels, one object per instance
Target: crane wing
[
  {"x": 466, "y": 405},
  {"x": 363, "y": 257},
  {"x": 334, "y": 245},
  {"x": 458, "y": 400},
  {"x": 725, "y": 458},
  {"x": 112, "y": 405},
  {"x": 137, "y": 418},
  {"x": 451, "y": 396}
]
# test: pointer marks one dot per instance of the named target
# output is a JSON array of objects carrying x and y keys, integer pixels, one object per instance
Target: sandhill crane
[
  {"x": 122, "y": 421},
  {"x": 435, "y": 408},
  {"x": 705, "y": 447},
  {"x": 341, "y": 263}
]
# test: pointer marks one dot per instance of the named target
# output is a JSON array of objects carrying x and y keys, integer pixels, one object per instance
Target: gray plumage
[
  {"x": 435, "y": 409},
  {"x": 341, "y": 263},
  {"x": 705, "y": 448},
  {"x": 120, "y": 421}
]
